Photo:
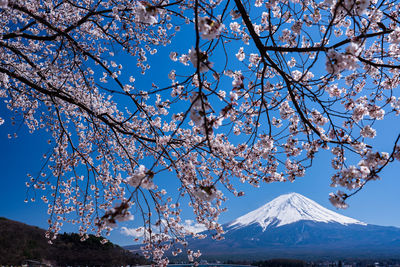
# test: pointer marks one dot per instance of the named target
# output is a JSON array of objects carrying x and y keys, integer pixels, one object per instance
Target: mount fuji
[
  {"x": 293, "y": 226},
  {"x": 288, "y": 209}
]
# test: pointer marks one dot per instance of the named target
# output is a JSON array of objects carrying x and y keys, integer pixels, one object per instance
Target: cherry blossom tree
[{"x": 259, "y": 89}]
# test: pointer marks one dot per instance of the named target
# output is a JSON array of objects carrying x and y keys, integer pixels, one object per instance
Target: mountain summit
[{"x": 288, "y": 209}]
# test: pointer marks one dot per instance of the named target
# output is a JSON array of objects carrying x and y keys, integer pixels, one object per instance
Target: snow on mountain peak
[{"x": 290, "y": 208}]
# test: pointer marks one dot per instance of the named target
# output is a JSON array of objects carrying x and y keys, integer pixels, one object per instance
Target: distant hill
[{"x": 20, "y": 242}]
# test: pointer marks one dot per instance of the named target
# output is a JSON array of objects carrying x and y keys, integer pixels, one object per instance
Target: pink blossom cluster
[
  {"x": 249, "y": 103},
  {"x": 210, "y": 29}
]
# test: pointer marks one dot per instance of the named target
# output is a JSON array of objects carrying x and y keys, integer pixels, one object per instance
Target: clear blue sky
[{"x": 377, "y": 203}]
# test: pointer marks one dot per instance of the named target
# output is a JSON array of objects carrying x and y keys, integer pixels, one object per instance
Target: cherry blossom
[
  {"x": 3, "y": 3},
  {"x": 367, "y": 131},
  {"x": 200, "y": 60},
  {"x": 240, "y": 54},
  {"x": 254, "y": 102},
  {"x": 209, "y": 28},
  {"x": 146, "y": 13}
]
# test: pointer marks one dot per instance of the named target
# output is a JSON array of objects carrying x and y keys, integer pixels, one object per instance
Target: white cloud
[
  {"x": 135, "y": 232},
  {"x": 189, "y": 226},
  {"x": 192, "y": 227}
]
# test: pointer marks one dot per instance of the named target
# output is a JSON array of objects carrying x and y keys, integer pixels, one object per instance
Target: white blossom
[
  {"x": 337, "y": 200},
  {"x": 205, "y": 193},
  {"x": 292, "y": 62},
  {"x": 204, "y": 64},
  {"x": 234, "y": 26},
  {"x": 353, "y": 49},
  {"x": 254, "y": 59},
  {"x": 296, "y": 27},
  {"x": 337, "y": 62},
  {"x": 240, "y": 54},
  {"x": 146, "y": 13},
  {"x": 359, "y": 112},
  {"x": 367, "y": 131},
  {"x": 141, "y": 178},
  {"x": 3, "y": 3},
  {"x": 394, "y": 36},
  {"x": 173, "y": 56},
  {"x": 210, "y": 29}
]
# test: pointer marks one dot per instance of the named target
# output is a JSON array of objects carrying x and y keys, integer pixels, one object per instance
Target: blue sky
[{"x": 378, "y": 203}]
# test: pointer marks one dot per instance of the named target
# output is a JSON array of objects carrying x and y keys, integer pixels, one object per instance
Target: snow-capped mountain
[
  {"x": 293, "y": 226},
  {"x": 290, "y": 208}
]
